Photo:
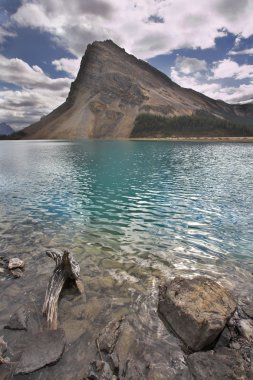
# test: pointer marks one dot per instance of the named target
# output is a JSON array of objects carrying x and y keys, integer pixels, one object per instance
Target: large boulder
[{"x": 195, "y": 309}]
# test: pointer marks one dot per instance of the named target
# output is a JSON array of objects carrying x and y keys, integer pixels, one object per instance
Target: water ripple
[{"x": 188, "y": 204}]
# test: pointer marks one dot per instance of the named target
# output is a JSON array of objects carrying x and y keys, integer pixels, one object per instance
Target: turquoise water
[
  {"x": 132, "y": 198},
  {"x": 160, "y": 205}
]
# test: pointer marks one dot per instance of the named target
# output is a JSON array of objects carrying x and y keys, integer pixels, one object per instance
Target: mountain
[
  {"x": 5, "y": 129},
  {"x": 116, "y": 95}
]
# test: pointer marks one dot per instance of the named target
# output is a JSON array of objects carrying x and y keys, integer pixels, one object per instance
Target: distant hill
[
  {"x": 5, "y": 129},
  {"x": 116, "y": 95}
]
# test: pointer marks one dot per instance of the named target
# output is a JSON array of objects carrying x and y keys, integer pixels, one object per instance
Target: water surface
[{"x": 131, "y": 198}]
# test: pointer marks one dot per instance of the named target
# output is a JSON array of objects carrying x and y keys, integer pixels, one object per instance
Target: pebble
[{"x": 15, "y": 263}]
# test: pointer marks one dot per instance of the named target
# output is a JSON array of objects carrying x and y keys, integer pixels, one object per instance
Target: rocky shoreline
[{"x": 209, "y": 331}]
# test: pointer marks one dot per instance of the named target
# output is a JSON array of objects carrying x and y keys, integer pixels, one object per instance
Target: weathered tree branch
[{"x": 66, "y": 268}]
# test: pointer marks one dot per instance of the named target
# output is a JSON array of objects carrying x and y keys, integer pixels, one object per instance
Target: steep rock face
[{"x": 112, "y": 88}]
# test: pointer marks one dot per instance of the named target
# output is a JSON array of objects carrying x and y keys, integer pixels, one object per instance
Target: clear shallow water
[
  {"x": 142, "y": 199},
  {"x": 134, "y": 214}
]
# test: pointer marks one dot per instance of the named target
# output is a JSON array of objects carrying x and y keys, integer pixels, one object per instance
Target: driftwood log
[{"x": 66, "y": 269}]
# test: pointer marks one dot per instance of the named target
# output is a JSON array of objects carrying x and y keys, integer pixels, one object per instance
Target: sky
[{"x": 206, "y": 45}]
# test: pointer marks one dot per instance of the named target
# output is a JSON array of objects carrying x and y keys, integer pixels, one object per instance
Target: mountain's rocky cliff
[{"x": 112, "y": 88}]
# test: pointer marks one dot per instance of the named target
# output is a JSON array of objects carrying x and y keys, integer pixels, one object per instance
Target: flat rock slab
[
  {"x": 44, "y": 348},
  {"x": 18, "y": 320},
  {"x": 223, "y": 364},
  {"x": 196, "y": 309}
]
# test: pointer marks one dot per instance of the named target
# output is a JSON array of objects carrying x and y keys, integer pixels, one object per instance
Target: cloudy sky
[{"x": 202, "y": 44}]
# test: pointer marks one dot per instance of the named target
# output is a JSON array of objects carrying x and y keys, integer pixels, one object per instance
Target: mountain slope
[
  {"x": 5, "y": 129},
  {"x": 112, "y": 88}
]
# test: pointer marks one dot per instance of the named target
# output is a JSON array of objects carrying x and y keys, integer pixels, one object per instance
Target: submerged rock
[
  {"x": 44, "y": 348},
  {"x": 3, "y": 347},
  {"x": 18, "y": 320},
  {"x": 196, "y": 309},
  {"x": 15, "y": 263},
  {"x": 222, "y": 364},
  {"x": 17, "y": 273},
  {"x": 109, "y": 336}
]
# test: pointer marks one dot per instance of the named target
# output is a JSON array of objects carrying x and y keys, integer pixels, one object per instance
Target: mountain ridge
[
  {"x": 5, "y": 129},
  {"x": 113, "y": 88}
]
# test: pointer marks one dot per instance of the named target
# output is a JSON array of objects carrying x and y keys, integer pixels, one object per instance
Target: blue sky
[{"x": 206, "y": 45}]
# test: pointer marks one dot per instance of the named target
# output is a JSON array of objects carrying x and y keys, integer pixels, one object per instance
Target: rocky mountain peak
[{"x": 113, "y": 88}]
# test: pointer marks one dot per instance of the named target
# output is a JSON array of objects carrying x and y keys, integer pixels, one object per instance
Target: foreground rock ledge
[
  {"x": 219, "y": 365},
  {"x": 44, "y": 348},
  {"x": 196, "y": 309}
]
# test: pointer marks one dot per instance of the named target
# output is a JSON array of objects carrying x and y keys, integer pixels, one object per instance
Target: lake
[{"x": 133, "y": 213}]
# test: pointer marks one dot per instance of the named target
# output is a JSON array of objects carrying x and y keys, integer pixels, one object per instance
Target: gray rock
[
  {"x": 17, "y": 273},
  {"x": 196, "y": 309},
  {"x": 236, "y": 345},
  {"x": 162, "y": 372},
  {"x": 15, "y": 263},
  {"x": 18, "y": 320},
  {"x": 100, "y": 370},
  {"x": 109, "y": 336},
  {"x": 248, "y": 309},
  {"x": 3, "y": 347},
  {"x": 223, "y": 364},
  {"x": 134, "y": 370},
  {"x": 125, "y": 349},
  {"x": 44, "y": 348},
  {"x": 224, "y": 338},
  {"x": 245, "y": 327}
]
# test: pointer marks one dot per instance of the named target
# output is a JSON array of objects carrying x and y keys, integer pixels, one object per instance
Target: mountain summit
[{"x": 113, "y": 90}]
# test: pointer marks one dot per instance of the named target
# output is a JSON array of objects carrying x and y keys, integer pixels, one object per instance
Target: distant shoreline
[
  {"x": 179, "y": 139},
  {"x": 196, "y": 139}
]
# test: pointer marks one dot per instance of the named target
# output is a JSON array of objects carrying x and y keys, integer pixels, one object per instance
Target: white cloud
[
  {"x": 196, "y": 82},
  {"x": 241, "y": 52},
  {"x": 228, "y": 69},
  {"x": 209, "y": 82},
  {"x": 22, "y": 107},
  {"x": 38, "y": 94},
  {"x": 68, "y": 65},
  {"x": 18, "y": 72},
  {"x": 4, "y": 33},
  {"x": 74, "y": 24}
]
